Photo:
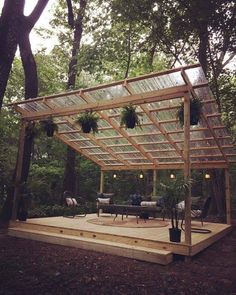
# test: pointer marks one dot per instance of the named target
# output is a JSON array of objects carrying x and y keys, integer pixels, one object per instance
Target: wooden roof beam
[
  {"x": 186, "y": 79},
  {"x": 157, "y": 95}
]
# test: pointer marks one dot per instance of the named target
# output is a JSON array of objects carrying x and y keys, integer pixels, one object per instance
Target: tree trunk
[
  {"x": 217, "y": 177},
  {"x": 69, "y": 182},
  {"x": 22, "y": 29},
  {"x": 9, "y": 25}
]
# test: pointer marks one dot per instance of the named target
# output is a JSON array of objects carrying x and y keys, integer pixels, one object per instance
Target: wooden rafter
[
  {"x": 157, "y": 95},
  {"x": 192, "y": 91},
  {"x": 155, "y": 122},
  {"x": 159, "y": 145},
  {"x": 122, "y": 132}
]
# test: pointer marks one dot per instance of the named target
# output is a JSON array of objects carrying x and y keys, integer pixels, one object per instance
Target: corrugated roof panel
[{"x": 107, "y": 93}]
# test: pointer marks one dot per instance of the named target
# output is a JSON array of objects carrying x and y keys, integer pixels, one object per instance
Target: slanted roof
[{"x": 158, "y": 144}]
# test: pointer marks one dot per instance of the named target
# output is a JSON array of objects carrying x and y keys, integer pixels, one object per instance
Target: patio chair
[
  {"x": 199, "y": 213},
  {"x": 75, "y": 205}
]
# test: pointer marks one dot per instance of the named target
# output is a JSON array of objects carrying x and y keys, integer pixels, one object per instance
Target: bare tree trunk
[
  {"x": 69, "y": 182},
  {"x": 9, "y": 25}
]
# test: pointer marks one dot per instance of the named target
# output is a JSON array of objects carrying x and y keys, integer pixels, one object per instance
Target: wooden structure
[
  {"x": 161, "y": 143},
  {"x": 147, "y": 244}
]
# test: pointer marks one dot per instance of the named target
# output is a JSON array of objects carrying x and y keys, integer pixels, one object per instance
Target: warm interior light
[
  {"x": 141, "y": 175},
  {"x": 207, "y": 176},
  {"x": 172, "y": 176},
  {"x": 114, "y": 175}
]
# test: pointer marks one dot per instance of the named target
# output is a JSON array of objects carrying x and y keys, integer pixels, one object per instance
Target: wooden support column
[
  {"x": 227, "y": 196},
  {"x": 187, "y": 168},
  {"x": 101, "y": 181},
  {"x": 154, "y": 189},
  {"x": 18, "y": 170}
]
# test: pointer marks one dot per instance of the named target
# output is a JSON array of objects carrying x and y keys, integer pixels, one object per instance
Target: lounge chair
[
  {"x": 198, "y": 213},
  {"x": 75, "y": 205}
]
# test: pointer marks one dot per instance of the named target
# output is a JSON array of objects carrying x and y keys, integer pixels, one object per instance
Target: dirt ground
[{"x": 30, "y": 267}]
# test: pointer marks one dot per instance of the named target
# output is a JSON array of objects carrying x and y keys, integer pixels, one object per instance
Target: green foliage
[
  {"x": 174, "y": 191},
  {"x": 129, "y": 117},
  {"x": 9, "y": 127},
  {"x": 228, "y": 102},
  {"x": 88, "y": 121}
]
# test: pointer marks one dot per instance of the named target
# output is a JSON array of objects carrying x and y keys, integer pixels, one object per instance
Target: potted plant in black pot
[
  {"x": 195, "y": 112},
  {"x": 129, "y": 117},
  {"x": 88, "y": 122},
  {"x": 174, "y": 192},
  {"x": 49, "y": 126}
]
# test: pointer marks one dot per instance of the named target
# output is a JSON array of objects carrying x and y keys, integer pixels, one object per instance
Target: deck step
[{"x": 136, "y": 252}]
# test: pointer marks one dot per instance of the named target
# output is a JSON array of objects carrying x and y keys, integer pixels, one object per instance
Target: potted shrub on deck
[
  {"x": 88, "y": 122},
  {"x": 195, "y": 112},
  {"x": 174, "y": 192},
  {"x": 129, "y": 117}
]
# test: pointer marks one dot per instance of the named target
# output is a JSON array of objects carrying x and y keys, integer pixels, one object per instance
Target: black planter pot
[
  {"x": 175, "y": 235},
  {"x": 194, "y": 116},
  {"x": 130, "y": 123},
  {"x": 50, "y": 132},
  {"x": 86, "y": 128}
]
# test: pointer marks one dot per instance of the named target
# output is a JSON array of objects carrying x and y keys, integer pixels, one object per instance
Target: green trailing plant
[
  {"x": 195, "y": 111},
  {"x": 49, "y": 126},
  {"x": 129, "y": 117},
  {"x": 88, "y": 122}
]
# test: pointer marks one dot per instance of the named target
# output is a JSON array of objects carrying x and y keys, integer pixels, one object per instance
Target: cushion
[
  {"x": 74, "y": 202},
  {"x": 148, "y": 203},
  {"x": 135, "y": 200},
  {"x": 69, "y": 202},
  {"x": 160, "y": 202},
  {"x": 104, "y": 200},
  {"x": 180, "y": 205}
]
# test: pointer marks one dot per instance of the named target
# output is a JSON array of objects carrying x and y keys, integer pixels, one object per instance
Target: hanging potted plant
[
  {"x": 129, "y": 117},
  {"x": 49, "y": 126},
  {"x": 88, "y": 122},
  {"x": 195, "y": 112},
  {"x": 174, "y": 192}
]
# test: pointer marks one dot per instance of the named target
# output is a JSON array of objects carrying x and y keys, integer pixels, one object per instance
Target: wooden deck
[{"x": 148, "y": 244}]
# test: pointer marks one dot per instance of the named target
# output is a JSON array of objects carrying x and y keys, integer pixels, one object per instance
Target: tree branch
[
  {"x": 36, "y": 13},
  {"x": 71, "y": 20}
]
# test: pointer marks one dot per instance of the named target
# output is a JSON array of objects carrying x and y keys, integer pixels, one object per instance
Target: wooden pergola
[{"x": 160, "y": 143}]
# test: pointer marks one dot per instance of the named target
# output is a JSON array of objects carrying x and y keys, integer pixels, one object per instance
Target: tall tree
[
  {"x": 76, "y": 24},
  {"x": 19, "y": 30}
]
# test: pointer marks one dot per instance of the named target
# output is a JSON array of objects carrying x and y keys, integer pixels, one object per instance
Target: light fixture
[
  {"x": 114, "y": 175},
  {"x": 172, "y": 176},
  {"x": 141, "y": 176},
  {"x": 207, "y": 176}
]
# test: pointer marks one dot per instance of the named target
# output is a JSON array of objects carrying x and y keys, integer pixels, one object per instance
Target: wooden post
[
  {"x": 227, "y": 196},
  {"x": 18, "y": 170},
  {"x": 101, "y": 181},
  {"x": 187, "y": 168},
  {"x": 154, "y": 189}
]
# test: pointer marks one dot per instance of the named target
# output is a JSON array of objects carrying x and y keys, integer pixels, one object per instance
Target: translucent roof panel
[
  {"x": 159, "y": 140},
  {"x": 107, "y": 93}
]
